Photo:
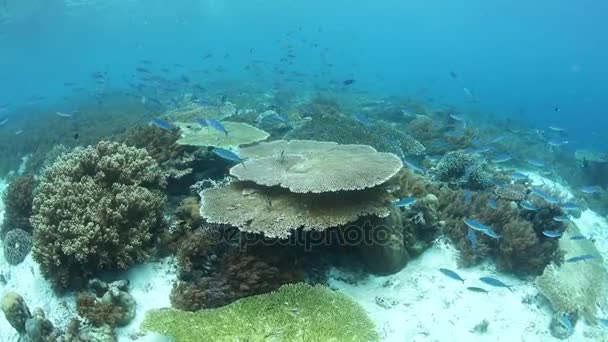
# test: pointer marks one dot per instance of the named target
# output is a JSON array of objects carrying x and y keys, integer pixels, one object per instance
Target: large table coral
[
  {"x": 313, "y": 166},
  {"x": 297, "y": 312},
  {"x": 95, "y": 209}
]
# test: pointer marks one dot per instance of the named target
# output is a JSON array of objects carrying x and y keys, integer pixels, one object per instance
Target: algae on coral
[{"x": 295, "y": 312}]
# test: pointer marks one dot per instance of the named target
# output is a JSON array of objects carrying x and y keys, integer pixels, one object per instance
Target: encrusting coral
[
  {"x": 311, "y": 166},
  {"x": 96, "y": 208},
  {"x": 18, "y": 205},
  {"x": 294, "y": 312},
  {"x": 16, "y": 246}
]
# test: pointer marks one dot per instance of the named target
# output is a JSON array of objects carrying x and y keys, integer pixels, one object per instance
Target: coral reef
[
  {"x": 18, "y": 200},
  {"x": 294, "y": 312},
  {"x": 575, "y": 288},
  {"x": 522, "y": 248},
  {"x": 346, "y": 130},
  {"x": 214, "y": 273},
  {"x": 17, "y": 244},
  {"x": 107, "y": 303},
  {"x": 95, "y": 209},
  {"x": 276, "y": 212},
  {"x": 15, "y": 310},
  {"x": 38, "y": 328},
  {"x": 511, "y": 192},
  {"x": 311, "y": 166},
  {"x": 463, "y": 170},
  {"x": 239, "y": 134}
]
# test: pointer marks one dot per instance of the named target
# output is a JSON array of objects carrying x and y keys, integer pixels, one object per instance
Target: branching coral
[
  {"x": 96, "y": 209},
  {"x": 522, "y": 248},
  {"x": 18, "y": 205},
  {"x": 295, "y": 312},
  {"x": 464, "y": 170}
]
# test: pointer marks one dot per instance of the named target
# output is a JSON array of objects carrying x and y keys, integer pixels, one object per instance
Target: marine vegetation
[
  {"x": 18, "y": 200},
  {"x": 96, "y": 208},
  {"x": 521, "y": 248},
  {"x": 296, "y": 312}
]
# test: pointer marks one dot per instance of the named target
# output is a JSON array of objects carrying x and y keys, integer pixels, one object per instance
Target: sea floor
[{"x": 416, "y": 304}]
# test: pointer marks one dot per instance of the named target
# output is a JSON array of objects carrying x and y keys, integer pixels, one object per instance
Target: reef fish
[
  {"x": 536, "y": 162},
  {"x": 414, "y": 166},
  {"x": 362, "y": 119},
  {"x": 404, "y": 202},
  {"x": 467, "y": 197},
  {"x": 477, "y": 289},
  {"x": 528, "y": 206},
  {"x": 228, "y": 155},
  {"x": 211, "y": 122},
  {"x": 552, "y": 233},
  {"x": 583, "y": 257},
  {"x": 495, "y": 282},
  {"x": 545, "y": 196},
  {"x": 561, "y": 218},
  {"x": 158, "y": 122},
  {"x": 472, "y": 238},
  {"x": 592, "y": 189},
  {"x": 491, "y": 233},
  {"x": 502, "y": 158},
  {"x": 571, "y": 206},
  {"x": 578, "y": 237},
  {"x": 201, "y": 122},
  {"x": 557, "y": 142},
  {"x": 451, "y": 274},
  {"x": 492, "y": 203},
  {"x": 565, "y": 321},
  {"x": 519, "y": 176},
  {"x": 476, "y": 225}
]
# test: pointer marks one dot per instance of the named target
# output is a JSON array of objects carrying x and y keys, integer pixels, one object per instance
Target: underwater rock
[
  {"x": 276, "y": 212},
  {"x": 239, "y": 134},
  {"x": 18, "y": 200},
  {"x": 107, "y": 303},
  {"x": 15, "y": 311},
  {"x": 96, "y": 208},
  {"x": 311, "y": 166},
  {"x": 291, "y": 312},
  {"x": 16, "y": 246},
  {"x": 38, "y": 328}
]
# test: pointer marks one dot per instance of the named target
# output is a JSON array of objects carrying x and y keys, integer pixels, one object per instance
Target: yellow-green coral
[
  {"x": 312, "y": 166},
  {"x": 193, "y": 134},
  {"x": 296, "y": 312},
  {"x": 275, "y": 212},
  {"x": 95, "y": 209}
]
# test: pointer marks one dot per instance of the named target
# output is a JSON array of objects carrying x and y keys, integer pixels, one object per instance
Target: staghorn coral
[
  {"x": 18, "y": 205},
  {"x": 463, "y": 170},
  {"x": 522, "y": 249},
  {"x": 276, "y": 212},
  {"x": 294, "y": 312},
  {"x": 239, "y": 134},
  {"x": 95, "y": 209},
  {"x": 17, "y": 244},
  {"x": 311, "y": 166}
]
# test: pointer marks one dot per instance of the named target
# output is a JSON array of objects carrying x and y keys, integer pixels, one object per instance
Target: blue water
[{"x": 519, "y": 59}]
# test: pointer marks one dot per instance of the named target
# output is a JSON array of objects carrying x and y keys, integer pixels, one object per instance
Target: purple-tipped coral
[{"x": 95, "y": 209}]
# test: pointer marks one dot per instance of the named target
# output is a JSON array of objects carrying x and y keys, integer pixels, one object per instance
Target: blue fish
[
  {"x": 578, "y": 237},
  {"x": 158, "y": 122},
  {"x": 552, "y": 233},
  {"x": 565, "y": 321},
  {"x": 571, "y": 206},
  {"x": 211, "y": 122},
  {"x": 536, "y": 162},
  {"x": 364, "y": 120},
  {"x": 202, "y": 122},
  {"x": 502, "y": 158},
  {"x": 495, "y": 282},
  {"x": 414, "y": 166},
  {"x": 528, "y": 206},
  {"x": 498, "y": 139},
  {"x": 467, "y": 197},
  {"x": 477, "y": 289},
  {"x": 603, "y": 321},
  {"x": 584, "y": 257},
  {"x": 592, "y": 189},
  {"x": 557, "y": 142},
  {"x": 404, "y": 202},
  {"x": 476, "y": 225},
  {"x": 472, "y": 238},
  {"x": 451, "y": 274},
  {"x": 491, "y": 233},
  {"x": 519, "y": 176},
  {"x": 561, "y": 218},
  {"x": 480, "y": 150},
  {"x": 492, "y": 203},
  {"x": 545, "y": 196},
  {"x": 228, "y": 155}
]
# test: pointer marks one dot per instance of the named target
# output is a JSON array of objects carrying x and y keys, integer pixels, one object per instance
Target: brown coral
[
  {"x": 18, "y": 200},
  {"x": 96, "y": 209}
]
